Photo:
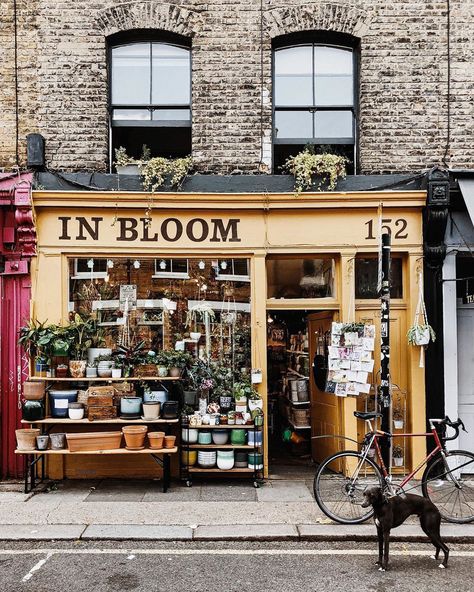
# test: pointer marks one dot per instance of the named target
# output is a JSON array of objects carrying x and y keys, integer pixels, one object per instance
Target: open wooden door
[{"x": 324, "y": 407}]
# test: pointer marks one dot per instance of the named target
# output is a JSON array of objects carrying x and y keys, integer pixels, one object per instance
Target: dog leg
[
  {"x": 380, "y": 539},
  {"x": 386, "y": 540},
  {"x": 431, "y": 527}
]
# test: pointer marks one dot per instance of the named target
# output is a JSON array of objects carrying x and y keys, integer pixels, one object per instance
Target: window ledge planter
[{"x": 128, "y": 169}]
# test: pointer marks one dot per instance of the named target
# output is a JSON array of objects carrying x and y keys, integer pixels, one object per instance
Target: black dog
[{"x": 391, "y": 512}]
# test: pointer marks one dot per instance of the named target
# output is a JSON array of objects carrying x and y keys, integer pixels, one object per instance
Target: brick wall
[{"x": 62, "y": 77}]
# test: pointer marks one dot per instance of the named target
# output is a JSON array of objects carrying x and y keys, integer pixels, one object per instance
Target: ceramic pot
[
  {"x": 32, "y": 410},
  {"x": 76, "y": 411},
  {"x": 156, "y": 440},
  {"x": 207, "y": 459},
  {"x": 237, "y": 437},
  {"x": 220, "y": 436},
  {"x": 155, "y": 396},
  {"x": 26, "y": 438},
  {"x": 58, "y": 441},
  {"x": 189, "y": 457},
  {"x": 255, "y": 404},
  {"x": 77, "y": 368},
  {"x": 130, "y": 405},
  {"x": 91, "y": 372},
  {"x": 204, "y": 437},
  {"x": 398, "y": 424},
  {"x": 104, "y": 372},
  {"x": 189, "y": 435},
  {"x": 225, "y": 460},
  {"x": 255, "y": 438},
  {"x": 162, "y": 371},
  {"x": 398, "y": 462},
  {"x": 134, "y": 436},
  {"x": 170, "y": 441},
  {"x": 255, "y": 460},
  {"x": 33, "y": 391},
  {"x": 225, "y": 402},
  {"x": 61, "y": 371},
  {"x": 42, "y": 442},
  {"x": 175, "y": 372},
  {"x": 116, "y": 372},
  {"x": 191, "y": 398},
  {"x": 195, "y": 336},
  {"x": 151, "y": 410}
]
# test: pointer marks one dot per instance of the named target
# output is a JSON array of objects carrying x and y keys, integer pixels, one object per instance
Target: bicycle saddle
[{"x": 369, "y": 415}]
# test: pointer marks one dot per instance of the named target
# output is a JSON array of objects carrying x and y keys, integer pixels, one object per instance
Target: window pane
[
  {"x": 294, "y": 76},
  {"x": 99, "y": 265},
  {"x": 300, "y": 278},
  {"x": 179, "y": 265},
  {"x": 241, "y": 267},
  {"x": 293, "y": 124},
  {"x": 366, "y": 274},
  {"x": 171, "y": 75},
  {"x": 334, "y": 124},
  {"x": 131, "y": 74},
  {"x": 131, "y": 114},
  {"x": 333, "y": 76},
  {"x": 172, "y": 115}
]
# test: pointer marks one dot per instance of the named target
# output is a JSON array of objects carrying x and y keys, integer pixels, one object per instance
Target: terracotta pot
[
  {"x": 33, "y": 391},
  {"x": 26, "y": 438},
  {"x": 175, "y": 372},
  {"x": 134, "y": 437},
  {"x": 77, "y": 368},
  {"x": 156, "y": 440},
  {"x": 170, "y": 441}
]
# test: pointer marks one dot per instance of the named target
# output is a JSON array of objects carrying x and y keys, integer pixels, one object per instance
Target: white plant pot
[
  {"x": 195, "y": 336},
  {"x": 255, "y": 404},
  {"x": 398, "y": 424},
  {"x": 95, "y": 352},
  {"x": 398, "y": 462},
  {"x": 421, "y": 336},
  {"x": 116, "y": 372},
  {"x": 128, "y": 169}
]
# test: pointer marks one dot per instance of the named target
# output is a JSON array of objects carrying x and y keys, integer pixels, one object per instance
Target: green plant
[
  {"x": 81, "y": 329},
  {"x": 122, "y": 158},
  {"x": 352, "y": 327},
  {"x": 244, "y": 390},
  {"x": 39, "y": 340},
  {"x": 129, "y": 356},
  {"x": 157, "y": 169},
  {"x": 92, "y": 364},
  {"x": 198, "y": 313},
  {"x": 415, "y": 333},
  {"x": 397, "y": 452},
  {"x": 174, "y": 359},
  {"x": 105, "y": 358},
  {"x": 305, "y": 165}
]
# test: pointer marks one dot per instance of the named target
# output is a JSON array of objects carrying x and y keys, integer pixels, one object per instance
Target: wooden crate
[
  {"x": 100, "y": 400},
  {"x": 105, "y": 412}
]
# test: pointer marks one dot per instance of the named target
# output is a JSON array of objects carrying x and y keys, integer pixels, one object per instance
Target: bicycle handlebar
[{"x": 452, "y": 424}]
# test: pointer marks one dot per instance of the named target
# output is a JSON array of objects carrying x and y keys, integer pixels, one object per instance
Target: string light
[
  {"x": 90, "y": 263},
  {"x": 110, "y": 263},
  {"x": 201, "y": 264},
  {"x": 224, "y": 265},
  {"x": 163, "y": 264},
  {"x": 136, "y": 264}
]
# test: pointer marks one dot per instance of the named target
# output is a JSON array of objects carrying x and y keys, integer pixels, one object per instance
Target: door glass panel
[
  {"x": 293, "y": 124},
  {"x": 334, "y": 124},
  {"x": 131, "y": 74},
  {"x": 294, "y": 76},
  {"x": 171, "y": 75},
  {"x": 366, "y": 275},
  {"x": 300, "y": 277}
]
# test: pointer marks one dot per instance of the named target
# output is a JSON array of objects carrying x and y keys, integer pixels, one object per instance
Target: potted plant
[
  {"x": 129, "y": 357},
  {"x": 199, "y": 313},
  {"x": 147, "y": 365},
  {"x": 61, "y": 371},
  {"x": 105, "y": 365},
  {"x": 37, "y": 339},
  {"x": 91, "y": 370},
  {"x": 397, "y": 455},
  {"x": 117, "y": 368},
  {"x": 255, "y": 401},
  {"x": 162, "y": 364},
  {"x": 177, "y": 362},
  {"x": 398, "y": 420},
  {"x": 97, "y": 348},
  {"x": 127, "y": 165},
  {"x": 421, "y": 335},
  {"x": 306, "y": 165},
  {"x": 81, "y": 329}
]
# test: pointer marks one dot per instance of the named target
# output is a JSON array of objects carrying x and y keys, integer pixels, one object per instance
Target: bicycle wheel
[
  {"x": 340, "y": 482},
  {"x": 449, "y": 484}
]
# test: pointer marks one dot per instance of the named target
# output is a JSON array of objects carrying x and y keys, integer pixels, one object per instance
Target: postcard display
[{"x": 350, "y": 359}]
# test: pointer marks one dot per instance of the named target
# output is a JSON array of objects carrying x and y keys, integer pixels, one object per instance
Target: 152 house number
[{"x": 400, "y": 226}]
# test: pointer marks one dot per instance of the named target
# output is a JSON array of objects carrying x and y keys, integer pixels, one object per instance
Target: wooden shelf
[
  {"x": 295, "y": 403},
  {"x": 222, "y": 426},
  {"x": 299, "y": 353},
  {"x": 297, "y": 374},
  {"x": 66, "y": 420},
  {"x": 114, "y": 451},
  {"x": 218, "y": 446},
  {"x": 122, "y": 379},
  {"x": 234, "y": 470}
]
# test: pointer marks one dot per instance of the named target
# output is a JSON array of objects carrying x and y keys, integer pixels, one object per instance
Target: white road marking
[
  {"x": 309, "y": 552},
  {"x": 36, "y": 567}
]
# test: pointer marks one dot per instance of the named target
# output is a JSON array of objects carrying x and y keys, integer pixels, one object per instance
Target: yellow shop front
[{"x": 272, "y": 271}]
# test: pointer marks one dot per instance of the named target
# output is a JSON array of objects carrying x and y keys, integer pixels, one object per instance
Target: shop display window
[
  {"x": 168, "y": 304},
  {"x": 300, "y": 277},
  {"x": 366, "y": 277}
]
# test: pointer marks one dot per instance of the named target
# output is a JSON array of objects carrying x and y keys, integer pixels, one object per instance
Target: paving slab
[
  {"x": 137, "y": 532},
  {"x": 176, "y": 493},
  {"x": 248, "y": 532},
  {"x": 40, "y": 532},
  {"x": 118, "y": 490},
  {"x": 285, "y": 491},
  {"x": 228, "y": 492}
]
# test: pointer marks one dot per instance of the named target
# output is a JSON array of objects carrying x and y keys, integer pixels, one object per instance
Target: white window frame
[
  {"x": 230, "y": 277},
  {"x": 179, "y": 275},
  {"x": 88, "y": 275}
]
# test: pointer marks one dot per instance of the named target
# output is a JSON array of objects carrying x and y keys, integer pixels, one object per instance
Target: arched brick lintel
[
  {"x": 342, "y": 18},
  {"x": 148, "y": 14}
]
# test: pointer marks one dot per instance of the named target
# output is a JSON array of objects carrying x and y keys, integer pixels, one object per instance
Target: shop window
[
  {"x": 289, "y": 277},
  {"x": 150, "y": 96},
  {"x": 366, "y": 277},
  {"x": 90, "y": 268},
  {"x": 465, "y": 269},
  {"x": 171, "y": 268},
  {"x": 236, "y": 270},
  {"x": 314, "y": 97}
]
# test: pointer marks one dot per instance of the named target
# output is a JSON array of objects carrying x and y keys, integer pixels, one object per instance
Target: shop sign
[
  {"x": 128, "y": 296},
  {"x": 169, "y": 230},
  {"x": 468, "y": 297}
]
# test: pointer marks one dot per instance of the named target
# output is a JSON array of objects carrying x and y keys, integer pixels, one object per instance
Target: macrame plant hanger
[{"x": 423, "y": 335}]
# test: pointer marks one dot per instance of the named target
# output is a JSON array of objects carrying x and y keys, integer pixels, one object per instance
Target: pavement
[{"x": 282, "y": 509}]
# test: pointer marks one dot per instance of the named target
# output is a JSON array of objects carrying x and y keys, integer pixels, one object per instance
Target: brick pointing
[{"x": 62, "y": 77}]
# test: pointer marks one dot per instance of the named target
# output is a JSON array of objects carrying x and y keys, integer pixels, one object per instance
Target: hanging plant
[
  {"x": 306, "y": 165},
  {"x": 157, "y": 170},
  {"x": 198, "y": 313},
  {"x": 421, "y": 335}
]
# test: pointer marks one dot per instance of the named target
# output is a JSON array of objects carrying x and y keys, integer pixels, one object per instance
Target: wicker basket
[
  {"x": 83, "y": 397},
  {"x": 145, "y": 370},
  {"x": 301, "y": 417}
]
